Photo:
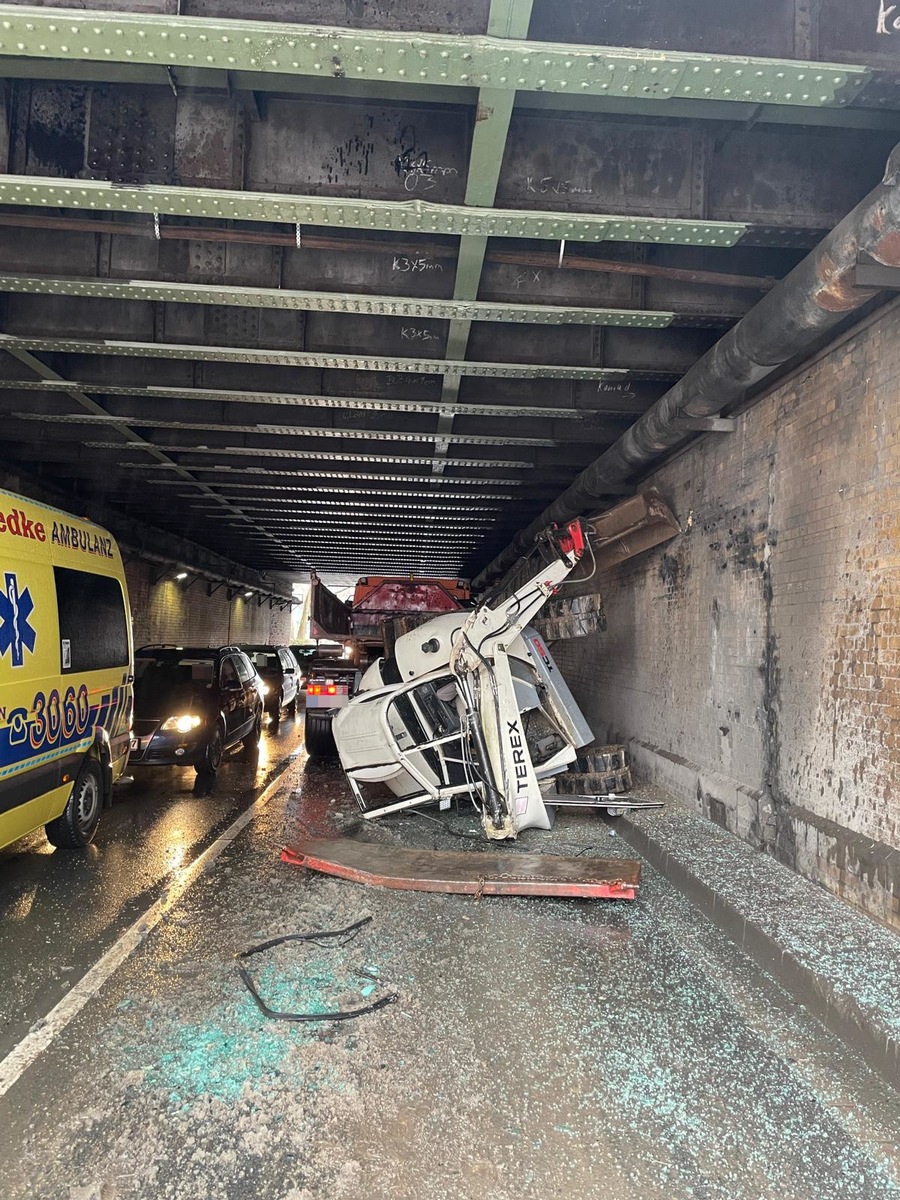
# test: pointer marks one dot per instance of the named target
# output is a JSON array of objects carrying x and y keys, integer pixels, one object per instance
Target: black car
[
  {"x": 191, "y": 704},
  {"x": 304, "y": 656},
  {"x": 280, "y": 673}
]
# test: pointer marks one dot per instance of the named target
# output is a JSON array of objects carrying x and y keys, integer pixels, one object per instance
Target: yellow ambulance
[{"x": 66, "y": 672}]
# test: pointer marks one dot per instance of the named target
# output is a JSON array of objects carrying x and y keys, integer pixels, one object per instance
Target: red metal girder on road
[{"x": 477, "y": 873}]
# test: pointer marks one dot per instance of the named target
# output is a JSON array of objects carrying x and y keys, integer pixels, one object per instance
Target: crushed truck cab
[{"x": 469, "y": 704}]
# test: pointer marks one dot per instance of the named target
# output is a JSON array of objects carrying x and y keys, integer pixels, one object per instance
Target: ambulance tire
[
  {"x": 75, "y": 827},
  {"x": 318, "y": 737}
]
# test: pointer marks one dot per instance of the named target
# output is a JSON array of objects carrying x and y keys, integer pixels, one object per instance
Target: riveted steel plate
[
  {"x": 413, "y": 216},
  {"x": 325, "y": 431},
  {"x": 441, "y": 60},
  {"x": 304, "y": 358},
  {"x": 318, "y": 455},
  {"x": 251, "y": 297},
  {"x": 298, "y": 400}
]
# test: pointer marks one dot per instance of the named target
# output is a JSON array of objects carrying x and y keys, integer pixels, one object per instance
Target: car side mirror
[{"x": 231, "y": 685}]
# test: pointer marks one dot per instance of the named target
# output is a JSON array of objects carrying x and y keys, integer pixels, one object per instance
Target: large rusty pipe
[{"x": 808, "y": 302}]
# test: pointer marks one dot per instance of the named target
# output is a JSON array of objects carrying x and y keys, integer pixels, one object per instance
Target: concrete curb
[{"x": 838, "y": 1011}]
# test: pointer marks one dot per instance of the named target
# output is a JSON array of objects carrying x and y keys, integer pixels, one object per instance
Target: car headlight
[
  {"x": 264, "y": 689},
  {"x": 183, "y": 724}
]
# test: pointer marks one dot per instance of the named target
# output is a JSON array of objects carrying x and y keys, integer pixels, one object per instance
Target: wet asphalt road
[
  {"x": 61, "y": 909},
  {"x": 539, "y": 1049}
]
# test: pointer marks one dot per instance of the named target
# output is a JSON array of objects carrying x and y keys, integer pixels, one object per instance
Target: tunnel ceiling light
[
  {"x": 303, "y": 301},
  {"x": 278, "y": 48},
  {"x": 301, "y": 399},
  {"x": 305, "y": 431},
  {"x": 321, "y": 455},
  {"x": 402, "y": 216},
  {"x": 309, "y": 358},
  {"x": 181, "y": 575}
]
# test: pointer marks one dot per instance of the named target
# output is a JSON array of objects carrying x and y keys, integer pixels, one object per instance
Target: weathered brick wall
[
  {"x": 165, "y": 612},
  {"x": 753, "y": 663}
]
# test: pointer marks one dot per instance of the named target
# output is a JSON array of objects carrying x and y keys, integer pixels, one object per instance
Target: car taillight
[
  {"x": 332, "y": 690},
  {"x": 315, "y": 689}
]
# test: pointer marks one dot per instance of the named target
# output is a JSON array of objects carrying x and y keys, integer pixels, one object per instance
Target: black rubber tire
[
  {"x": 212, "y": 753},
  {"x": 318, "y": 736},
  {"x": 251, "y": 742},
  {"x": 275, "y": 713},
  {"x": 75, "y": 827},
  {"x": 291, "y": 709}
]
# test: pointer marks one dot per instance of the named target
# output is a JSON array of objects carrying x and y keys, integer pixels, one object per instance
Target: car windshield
[
  {"x": 263, "y": 661},
  {"x": 162, "y": 685}
]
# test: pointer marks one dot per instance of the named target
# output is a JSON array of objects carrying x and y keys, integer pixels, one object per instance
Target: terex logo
[
  {"x": 16, "y": 523},
  {"x": 518, "y": 754}
]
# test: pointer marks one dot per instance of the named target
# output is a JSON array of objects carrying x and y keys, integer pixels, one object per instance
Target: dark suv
[
  {"x": 191, "y": 704},
  {"x": 278, "y": 669}
]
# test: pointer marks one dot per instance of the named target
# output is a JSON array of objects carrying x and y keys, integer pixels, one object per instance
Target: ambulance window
[{"x": 92, "y": 620}]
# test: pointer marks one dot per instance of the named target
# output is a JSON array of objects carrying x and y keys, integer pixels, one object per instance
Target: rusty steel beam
[
  {"x": 809, "y": 302},
  {"x": 524, "y": 258}
]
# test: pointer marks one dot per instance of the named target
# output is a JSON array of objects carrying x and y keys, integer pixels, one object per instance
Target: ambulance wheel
[
  {"x": 212, "y": 753},
  {"x": 77, "y": 824},
  {"x": 318, "y": 737}
]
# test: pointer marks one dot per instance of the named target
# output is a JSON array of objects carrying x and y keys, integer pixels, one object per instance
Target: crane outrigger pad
[{"x": 477, "y": 873}]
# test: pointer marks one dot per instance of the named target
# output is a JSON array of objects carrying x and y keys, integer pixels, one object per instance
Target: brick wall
[
  {"x": 165, "y": 612},
  {"x": 753, "y": 663}
]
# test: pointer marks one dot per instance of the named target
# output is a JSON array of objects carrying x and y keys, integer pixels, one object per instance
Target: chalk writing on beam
[
  {"x": 411, "y": 265},
  {"x": 551, "y": 183},
  {"x": 412, "y": 333},
  {"x": 888, "y": 18}
]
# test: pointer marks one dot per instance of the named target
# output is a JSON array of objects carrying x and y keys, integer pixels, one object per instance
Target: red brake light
[
  {"x": 331, "y": 690},
  {"x": 315, "y": 689}
]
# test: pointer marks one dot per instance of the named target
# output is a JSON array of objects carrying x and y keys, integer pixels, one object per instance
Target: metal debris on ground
[
  {"x": 479, "y": 873},
  {"x": 316, "y": 938}
]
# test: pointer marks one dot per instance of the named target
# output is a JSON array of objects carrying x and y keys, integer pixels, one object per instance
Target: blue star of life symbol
[{"x": 16, "y": 634}]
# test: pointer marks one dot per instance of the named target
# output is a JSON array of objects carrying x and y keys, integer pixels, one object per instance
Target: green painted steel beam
[
  {"x": 274, "y": 48},
  {"x": 262, "y": 491},
  {"x": 388, "y": 306},
  {"x": 347, "y": 476},
  {"x": 297, "y": 400},
  {"x": 310, "y": 358},
  {"x": 402, "y": 460},
  {"x": 399, "y": 216},
  {"x": 265, "y": 429}
]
